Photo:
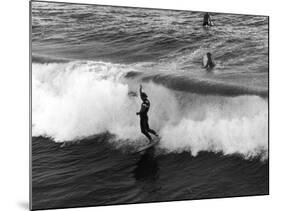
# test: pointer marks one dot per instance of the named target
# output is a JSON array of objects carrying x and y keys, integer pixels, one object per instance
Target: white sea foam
[{"x": 79, "y": 99}]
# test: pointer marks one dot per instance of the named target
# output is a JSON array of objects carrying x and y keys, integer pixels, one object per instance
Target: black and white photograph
[{"x": 139, "y": 105}]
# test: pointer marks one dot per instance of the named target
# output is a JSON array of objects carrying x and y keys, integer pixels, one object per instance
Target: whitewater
[{"x": 75, "y": 100}]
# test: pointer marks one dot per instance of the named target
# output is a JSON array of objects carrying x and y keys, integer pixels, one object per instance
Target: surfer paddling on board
[
  {"x": 207, "y": 20},
  {"x": 144, "y": 117},
  {"x": 209, "y": 65}
]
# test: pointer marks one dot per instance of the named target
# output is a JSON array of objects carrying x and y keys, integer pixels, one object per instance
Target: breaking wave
[{"x": 75, "y": 100}]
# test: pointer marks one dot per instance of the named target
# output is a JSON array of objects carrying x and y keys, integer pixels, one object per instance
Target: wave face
[
  {"x": 78, "y": 99},
  {"x": 204, "y": 86}
]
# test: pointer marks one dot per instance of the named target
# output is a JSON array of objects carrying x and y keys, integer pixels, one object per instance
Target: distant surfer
[
  {"x": 208, "y": 61},
  {"x": 144, "y": 117},
  {"x": 207, "y": 20}
]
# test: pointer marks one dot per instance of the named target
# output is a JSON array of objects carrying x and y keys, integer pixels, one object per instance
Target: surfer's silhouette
[
  {"x": 144, "y": 117},
  {"x": 210, "y": 63},
  {"x": 207, "y": 20}
]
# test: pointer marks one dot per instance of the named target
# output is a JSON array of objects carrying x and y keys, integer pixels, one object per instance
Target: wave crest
[{"x": 78, "y": 99}]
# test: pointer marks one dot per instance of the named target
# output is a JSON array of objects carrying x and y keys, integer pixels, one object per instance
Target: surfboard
[
  {"x": 143, "y": 148},
  {"x": 205, "y": 60}
]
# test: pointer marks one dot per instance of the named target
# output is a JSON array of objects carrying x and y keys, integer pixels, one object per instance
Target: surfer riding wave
[{"x": 144, "y": 117}]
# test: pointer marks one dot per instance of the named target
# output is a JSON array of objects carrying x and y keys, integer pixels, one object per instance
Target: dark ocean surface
[{"x": 87, "y": 64}]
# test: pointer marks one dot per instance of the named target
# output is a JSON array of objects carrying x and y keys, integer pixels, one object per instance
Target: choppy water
[{"x": 87, "y": 62}]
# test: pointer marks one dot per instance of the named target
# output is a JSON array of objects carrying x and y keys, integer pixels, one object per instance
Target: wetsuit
[
  {"x": 206, "y": 21},
  {"x": 210, "y": 64},
  {"x": 144, "y": 119}
]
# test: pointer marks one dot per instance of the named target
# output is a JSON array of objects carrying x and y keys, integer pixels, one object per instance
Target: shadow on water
[
  {"x": 146, "y": 174},
  {"x": 147, "y": 167}
]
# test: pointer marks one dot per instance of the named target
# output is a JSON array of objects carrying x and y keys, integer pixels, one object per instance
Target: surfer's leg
[
  {"x": 147, "y": 135},
  {"x": 144, "y": 129},
  {"x": 152, "y": 132}
]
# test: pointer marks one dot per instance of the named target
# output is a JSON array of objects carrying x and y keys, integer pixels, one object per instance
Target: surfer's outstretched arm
[
  {"x": 142, "y": 107},
  {"x": 140, "y": 89}
]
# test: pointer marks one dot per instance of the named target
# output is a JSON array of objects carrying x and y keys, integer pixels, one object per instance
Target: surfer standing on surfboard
[
  {"x": 207, "y": 20},
  {"x": 144, "y": 117},
  {"x": 209, "y": 65}
]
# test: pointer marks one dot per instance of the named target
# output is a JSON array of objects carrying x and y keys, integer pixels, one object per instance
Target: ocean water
[{"x": 87, "y": 64}]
